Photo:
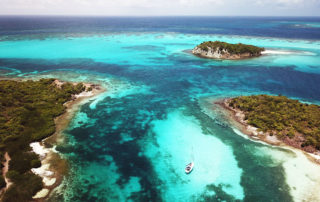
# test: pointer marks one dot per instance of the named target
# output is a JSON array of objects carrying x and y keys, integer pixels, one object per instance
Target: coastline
[
  {"x": 53, "y": 167},
  {"x": 233, "y": 58},
  {"x": 244, "y": 58},
  {"x": 5, "y": 169},
  {"x": 226, "y": 51},
  {"x": 236, "y": 118}
]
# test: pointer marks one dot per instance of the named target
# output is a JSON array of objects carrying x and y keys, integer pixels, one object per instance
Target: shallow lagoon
[{"x": 132, "y": 142}]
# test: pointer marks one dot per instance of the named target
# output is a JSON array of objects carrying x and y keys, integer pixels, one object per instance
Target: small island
[
  {"x": 223, "y": 50},
  {"x": 28, "y": 112},
  {"x": 278, "y": 119}
]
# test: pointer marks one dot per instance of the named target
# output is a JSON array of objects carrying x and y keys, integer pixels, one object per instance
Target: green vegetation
[
  {"x": 231, "y": 48},
  {"x": 27, "y": 112},
  {"x": 281, "y": 116},
  {"x": 2, "y": 182}
]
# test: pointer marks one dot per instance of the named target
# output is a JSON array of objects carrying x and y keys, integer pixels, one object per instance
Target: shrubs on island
[
  {"x": 231, "y": 48},
  {"x": 281, "y": 116},
  {"x": 2, "y": 182},
  {"x": 27, "y": 112}
]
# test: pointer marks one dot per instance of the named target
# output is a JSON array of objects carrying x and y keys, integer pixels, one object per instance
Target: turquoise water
[{"x": 132, "y": 142}]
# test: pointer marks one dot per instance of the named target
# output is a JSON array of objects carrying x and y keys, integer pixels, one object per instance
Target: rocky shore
[
  {"x": 53, "y": 167},
  {"x": 237, "y": 118},
  {"x": 226, "y": 51}
]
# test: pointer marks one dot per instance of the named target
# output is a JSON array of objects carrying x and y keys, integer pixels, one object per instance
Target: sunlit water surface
[{"x": 133, "y": 141}]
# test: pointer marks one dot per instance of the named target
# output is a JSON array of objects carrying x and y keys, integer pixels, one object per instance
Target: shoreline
[
  {"x": 53, "y": 166},
  {"x": 189, "y": 51},
  {"x": 226, "y": 51},
  {"x": 236, "y": 118},
  {"x": 5, "y": 169},
  {"x": 225, "y": 58}
]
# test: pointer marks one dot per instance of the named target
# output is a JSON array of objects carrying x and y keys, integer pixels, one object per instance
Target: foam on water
[{"x": 180, "y": 140}]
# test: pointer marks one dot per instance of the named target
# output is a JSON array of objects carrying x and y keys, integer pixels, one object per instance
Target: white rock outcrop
[{"x": 220, "y": 54}]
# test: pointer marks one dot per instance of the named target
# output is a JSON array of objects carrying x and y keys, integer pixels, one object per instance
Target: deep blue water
[
  {"x": 284, "y": 27},
  {"x": 158, "y": 114}
]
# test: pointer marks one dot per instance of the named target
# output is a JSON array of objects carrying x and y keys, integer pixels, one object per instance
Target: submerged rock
[{"x": 223, "y": 50}]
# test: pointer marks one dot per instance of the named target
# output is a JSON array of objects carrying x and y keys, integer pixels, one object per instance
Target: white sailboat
[{"x": 189, "y": 167}]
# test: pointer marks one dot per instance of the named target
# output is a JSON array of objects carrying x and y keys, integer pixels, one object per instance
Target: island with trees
[
  {"x": 268, "y": 117},
  {"x": 223, "y": 50},
  {"x": 27, "y": 114}
]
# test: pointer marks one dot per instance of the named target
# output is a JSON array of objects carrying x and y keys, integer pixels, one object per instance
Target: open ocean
[{"x": 132, "y": 142}]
